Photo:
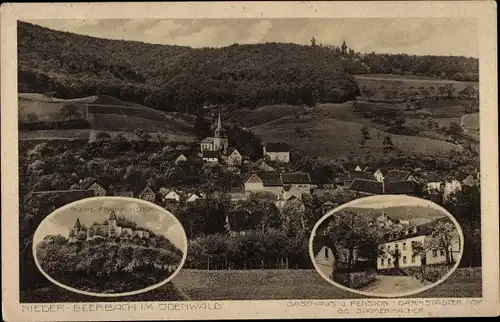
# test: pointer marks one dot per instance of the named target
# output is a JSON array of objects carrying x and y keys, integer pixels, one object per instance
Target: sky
[
  {"x": 386, "y": 201},
  {"x": 61, "y": 222},
  {"x": 419, "y": 36}
]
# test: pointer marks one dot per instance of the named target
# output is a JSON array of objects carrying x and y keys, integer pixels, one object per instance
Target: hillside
[
  {"x": 104, "y": 114},
  {"x": 173, "y": 78}
]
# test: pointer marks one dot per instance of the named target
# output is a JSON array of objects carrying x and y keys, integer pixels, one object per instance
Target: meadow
[
  {"x": 296, "y": 284},
  {"x": 263, "y": 114}
]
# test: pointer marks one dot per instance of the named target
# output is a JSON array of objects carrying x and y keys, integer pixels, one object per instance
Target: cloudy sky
[
  {"x": 420, "y": 36},
  {"x": 386, "y": 201},
  {"x": 61, "y": 222}
]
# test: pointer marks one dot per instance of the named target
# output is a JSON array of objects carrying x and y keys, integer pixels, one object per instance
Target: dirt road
[{"x": 384, "y": 284}]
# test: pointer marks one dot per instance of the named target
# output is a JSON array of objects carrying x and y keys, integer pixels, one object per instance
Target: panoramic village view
[{"x": 248, "y": 145}]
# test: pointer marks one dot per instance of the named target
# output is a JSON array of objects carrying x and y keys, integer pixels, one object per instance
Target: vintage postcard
[{"x": 166, "y": 161}]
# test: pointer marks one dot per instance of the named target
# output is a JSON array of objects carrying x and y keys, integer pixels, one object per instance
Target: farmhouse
[
  {"x": 180, "y": 158},
  {"x": 277, "y": 152},
  {"x": 112, "y": 227},
  {"x": 400, "y": 250},
  {"x": 325, "y": 260},
  {"x": 219, "y": 142},
  {"x": 233, "y": 157},
  {"x": 264, "y": 182},
  {"x": 172, "y": 195},
  {"x": 98, "y": 189},
  {"x": 195, "y": 196},
  {"x": 147, "y": 194},
  {"x": 299, "y": 181}
]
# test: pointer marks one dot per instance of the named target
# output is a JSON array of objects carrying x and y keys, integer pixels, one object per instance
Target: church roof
[
  {"x": 277, "y": 147},
  {"x": 208, "y": 140}
]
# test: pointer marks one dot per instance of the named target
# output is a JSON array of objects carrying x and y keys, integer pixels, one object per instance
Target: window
[
  {"x": 326, "y": 253},
  {"x": 397, "y": 246},
  {"x": 434, "y": 253},
  {"x": 389, "y": 262},
  {"x": 388, "y": 247},
  {"x": 413, "y": 259},
  {"x": 404, "y": 259},
  {"x": 441, "y": 252},
  {"x": 404, "y": 246},
  {"x": 382, "y": 262}
]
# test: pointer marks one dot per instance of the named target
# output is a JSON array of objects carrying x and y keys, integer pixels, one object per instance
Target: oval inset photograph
[
  {"x": 386, "y": 246},
  {"x": 110, "y": 246}
]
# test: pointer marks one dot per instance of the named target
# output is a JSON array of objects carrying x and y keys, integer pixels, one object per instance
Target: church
[{"x": 219, "y": 142}]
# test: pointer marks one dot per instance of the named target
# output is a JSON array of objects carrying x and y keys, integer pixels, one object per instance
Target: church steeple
[{"x": 219, "y": 130}]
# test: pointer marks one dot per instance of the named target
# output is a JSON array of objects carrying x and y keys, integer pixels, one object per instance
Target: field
[
  {"x": 105, "y": 114},
  {"x": 334, "y": 131},
  {"x": 295, "y": 284},
  {"x": 262, "y": 115}
]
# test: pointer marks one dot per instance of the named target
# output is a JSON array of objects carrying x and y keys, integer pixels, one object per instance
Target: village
[{"x": 270, "y": 178}]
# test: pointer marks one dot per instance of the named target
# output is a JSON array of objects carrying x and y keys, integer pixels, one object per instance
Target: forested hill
[{"x": 179, "y": 78}]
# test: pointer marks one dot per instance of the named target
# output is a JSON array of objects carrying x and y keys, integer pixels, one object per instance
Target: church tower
[
  {"x": 112, "y": 224},
  {"x": 221, "y": 141}
]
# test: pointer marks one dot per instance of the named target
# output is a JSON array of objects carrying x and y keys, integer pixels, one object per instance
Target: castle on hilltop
[
  {"x": 114, "y": 226},
  {"x": 219, "y": 142}
]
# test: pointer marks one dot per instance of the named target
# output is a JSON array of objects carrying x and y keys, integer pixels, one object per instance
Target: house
[
  {"x": 349, "y": 177},
  {"x": 172, "y": 195},
  {"x": 299, "y": 180},
  {"x": 358, "y": 169},
  {"x": 451, "y": 186},
  {"x": 399, "y": 175},
  {"x": 380, "y": 174},
  {"x": 242, "y": 221},
  {"x": 400, "y": 249},
  {"x": 325, "y": 260},
  {"x": 264, "y": 182},
  {"x": 470, "y": 181},
  {"x": 99, "y": 191},
  {"x": 195, "y": 196},
  {"x": 263, "y": 166},
  {"x": 147, "y": 194},
  {"x": 219, "y": 142},
  {"x": 291, "y": 191},
  {"x": 181, "y": 158},
  {"x": 210, "y": 156},
  {"x": 233, "y": 157},
  {"x": 237, "y": 196},
  {"x": 374, "y": 187},
  {"x": 277, "y": 152}
]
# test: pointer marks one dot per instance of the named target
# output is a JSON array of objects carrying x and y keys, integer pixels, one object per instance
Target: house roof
[
  {"x": 210, "y": 154},
  {"x": 208, "y": 140},
  {"x": 231, "y": 150},
  {"x": 397, "y": 175},
  {"x": 376, "y": 187},
  {"x": 400, "y": 187},
  {"x": 297, "y": 177},
  {"x": 88, "y": 185},
  {"x": 277, "y": 147},
  {"x": 270, "y": 179},
  {"x": 358, "y": 175},
  {"x": 140, "y": 191},
  {"x": 368, "y": 186},
  {"x": 423, "y": 229}
]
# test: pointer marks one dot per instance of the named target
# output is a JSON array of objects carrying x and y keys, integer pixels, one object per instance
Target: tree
[
  {"x": 450, "y": 90},
  {"x": 365, "y": 133},
  {"x": 388, "y": 142},
  {"x": 442, "y": 90},
  {"x": 443, "y": 236},
  {"x": 70, "y": 110},
  {"x": 351, "y": 231},
  {"x": 313, "y": 42},
  {"x": 455, "y": 128},
  {"x": 31, "y": 117},
  {"x": 139, "y": 132}
]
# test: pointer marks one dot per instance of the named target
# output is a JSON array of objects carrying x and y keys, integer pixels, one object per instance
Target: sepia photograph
[
  {"x": 93, "y": 248},
  {"x": 387, "y": 245},
  {"x": 161, "y": 157}
]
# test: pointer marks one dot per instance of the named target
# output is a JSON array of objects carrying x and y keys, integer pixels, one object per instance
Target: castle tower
[
  {"x": 112, "y": 231},
  {"x": 344, "y": 48},
  {"x": 221, "y": 141}
]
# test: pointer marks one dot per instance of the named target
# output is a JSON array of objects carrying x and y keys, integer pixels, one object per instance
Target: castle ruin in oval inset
[
  {"x": 110, "y": 246},
  {"x": 386, "y": 246}
]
